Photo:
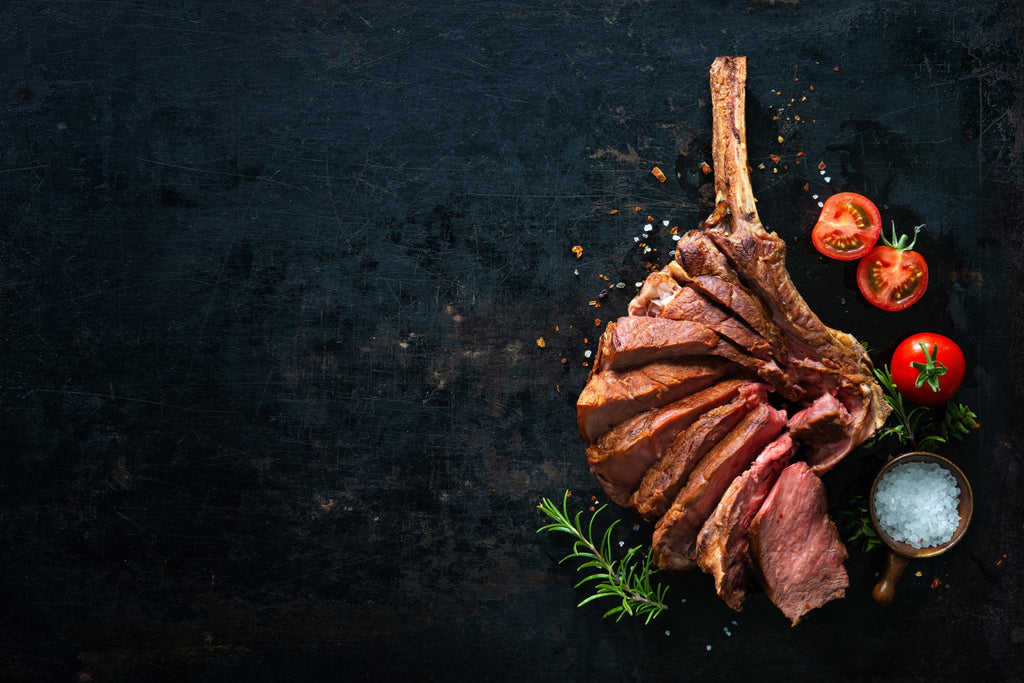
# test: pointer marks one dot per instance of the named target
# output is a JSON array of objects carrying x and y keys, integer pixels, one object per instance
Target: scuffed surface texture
[{"x": 271, "y": 399}]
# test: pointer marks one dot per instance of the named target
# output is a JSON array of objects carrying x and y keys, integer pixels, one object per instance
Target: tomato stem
[
  {"x": 930, "y": 371},
  {"x": 900, "y": 243}
]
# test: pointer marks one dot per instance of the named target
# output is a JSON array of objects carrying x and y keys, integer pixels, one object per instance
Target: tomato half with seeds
[
  {"x": 893, "y": 276},
  {"x": 928, "y": 368},
  {"x": 848, "y": 226}
]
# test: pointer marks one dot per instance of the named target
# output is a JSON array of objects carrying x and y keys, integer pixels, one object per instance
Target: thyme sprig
[
  {"x": 922, "y": 427},
  {"x": 627, "y": 580}
]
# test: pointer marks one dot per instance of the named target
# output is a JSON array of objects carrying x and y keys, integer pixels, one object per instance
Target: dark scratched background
[{"x": 272, "y": 280}]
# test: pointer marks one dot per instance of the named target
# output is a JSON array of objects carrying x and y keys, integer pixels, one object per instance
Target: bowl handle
[{"x": 885, "y": 589}]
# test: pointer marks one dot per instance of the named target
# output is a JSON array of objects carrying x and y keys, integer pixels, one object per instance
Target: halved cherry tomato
[
  {"x": 928, "y": 368},
  {"x": 848, "y": 226},
  {"x": 893, "y": 276}
]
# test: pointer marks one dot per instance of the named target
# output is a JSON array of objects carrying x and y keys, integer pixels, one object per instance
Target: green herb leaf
[
  {"x": 855, "y": 519},
  {"x": 922, "y": 428},
  {"x": 626, "y": 579}
]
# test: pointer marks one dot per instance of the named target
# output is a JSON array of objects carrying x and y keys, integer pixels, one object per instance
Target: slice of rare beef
[
  {"x": 621, "y": 457},
  {"x": 675, "y": 536},
  {"x": 611, "y": 397},
  {"x": 795, "y": 550},
  {"x": 722, "y": 543},
  {"x": 667, "y": 476},
  {"x": 632, "y": 341}
]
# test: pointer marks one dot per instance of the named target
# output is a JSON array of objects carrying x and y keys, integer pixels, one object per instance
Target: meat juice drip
[{"x": 916, "y": 503}]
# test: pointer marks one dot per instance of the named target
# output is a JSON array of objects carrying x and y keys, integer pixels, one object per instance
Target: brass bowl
[{"x": 900, "y": 554}]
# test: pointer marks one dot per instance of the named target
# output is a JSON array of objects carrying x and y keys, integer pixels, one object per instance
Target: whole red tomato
[{"x": 928, "y": 368}]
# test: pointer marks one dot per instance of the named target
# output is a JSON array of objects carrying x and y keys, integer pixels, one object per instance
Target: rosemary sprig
[
  {"x": 921, "y": 427},
  {"x": 627, "y": 580}
]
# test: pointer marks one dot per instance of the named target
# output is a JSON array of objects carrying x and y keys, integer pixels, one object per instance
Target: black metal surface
[{"x": 272, "y": 401}]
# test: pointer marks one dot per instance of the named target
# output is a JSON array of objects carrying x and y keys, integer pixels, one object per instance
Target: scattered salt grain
[
  {"x": 821, "y": 204},
  {"x": 675, "y": 238},
  {"x": 828, "y": 179},
  {"x": 639, "y": 284},
  {"x": 620, "y": 285},
  {"x": 587, "y": 353},
  {"x": 665, "y": 223},
  {"x": 636, "y": 239},
  {"x": 916, "y": 503},
  {"x": 648, "y": 227},
  {"x": 668, "y": 633},
  {"x": 814, "y": 196},
  {"x": 709, "y": 648},
  {"x": 622, "y": 543}
]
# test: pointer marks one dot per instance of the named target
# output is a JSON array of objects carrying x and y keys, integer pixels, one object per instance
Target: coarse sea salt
[{"x": 916, "y": 503}]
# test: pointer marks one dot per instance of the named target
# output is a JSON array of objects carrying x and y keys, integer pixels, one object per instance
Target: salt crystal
[
  {"x": 648, "y": 227},
  {"x": 665, "y": 223},
  {"x": 916, "y": 503}
]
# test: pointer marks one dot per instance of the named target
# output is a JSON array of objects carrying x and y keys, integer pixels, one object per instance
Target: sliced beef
[
  {"x": 699, "y": 263},
  {"x": 830, "y": 427},
  {"x": 795, "y": 550},
  {"x": 667, "y": 476},
  {"x": 722, "y": 543},
  {"x": 621, "y": 457},
  {"x": 632, "y": 341},
  {"x": 689, "y": 304},
  {"x": 661, "y": 296},
  {"x": 675, "y": 535},
  {"x": 611, "y": 397}
]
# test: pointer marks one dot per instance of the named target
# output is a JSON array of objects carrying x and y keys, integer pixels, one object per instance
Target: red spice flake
[
  {"x": 796, "y": 117},
  {"x": 586, "y": 341},
  {"x": 568, "y": 494},
  {"x": 936, "y": 583},
  {"x": 705, "y": 168},
  {"x": 650, "y": 219},
  {"x": 812, "y": 88},
  {"x": 836, "y": 69},
  {"x": 540, "y": 342},
  {"x": 564, "y": 361},
  {"x": 799, "y": 154},
  {"x": 775, "y": 158},
  {"x": 597, "y": 322},
  {"x": 594, "y": 302},
  {"x": 578, "y": 250},
  {"x": 796, "y": 80},
  {"x": 591, "y": 509},
  {"x": 807, "y": 186},
  {"x": 638, "y": 209},
  {"x": 775, "y": 118},
  {"x": 674, "y": 230},
  {"x": 613, "y": 211},
  {"x": 821, "y": 165},
  {"x": 586, "y": 364},
  {"x": 658, "y": 173}
]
